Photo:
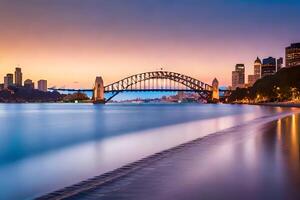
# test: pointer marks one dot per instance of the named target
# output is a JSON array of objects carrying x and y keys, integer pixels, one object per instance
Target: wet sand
[{"x": 254, "y": 161}]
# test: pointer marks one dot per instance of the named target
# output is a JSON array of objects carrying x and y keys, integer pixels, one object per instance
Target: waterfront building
[
  {"x": 234, "y": 80},
  {"x": 292, "y": 55},
  {"x": 240, "y": 68},
  {"x": 279, "y": 64},
  {"x": 238, "y": 76},
  {"x": 257, "y": 72},
  {"x": 42, "y": 85},
  {"x": 257, "y": 68},
  {"x": 268, "y": 66},
  {"x": 29, "y": 84},
  {"x": 18, "y": 76},
  {"x": 251, "y": 79},
  {"x": 8, "y": 80}
]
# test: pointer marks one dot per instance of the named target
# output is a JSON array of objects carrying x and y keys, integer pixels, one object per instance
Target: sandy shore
[{"x": 233, "y": 160}]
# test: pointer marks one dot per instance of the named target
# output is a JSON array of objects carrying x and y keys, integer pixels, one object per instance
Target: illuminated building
[
  {"x": 257, "y": 68},
  {"x": 18, "y": 77},
  {"x": 257, "y": 72},
  {"x": 268, "y": 66},
  {"x": 238, "y": 76},
  {"x": 42, "y": 85},
  {"x": 292, "y": 55}
]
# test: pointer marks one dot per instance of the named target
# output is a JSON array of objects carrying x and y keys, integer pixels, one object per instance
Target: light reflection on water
[
  {"x": 256, "y": 161},
  {"x": 48, "y": 146}
]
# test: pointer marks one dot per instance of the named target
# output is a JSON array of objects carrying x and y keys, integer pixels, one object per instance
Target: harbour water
[{"x": 45, "y": 147}]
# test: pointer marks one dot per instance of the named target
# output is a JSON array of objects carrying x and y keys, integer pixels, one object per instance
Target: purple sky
[{"x": 117, "y": 38}]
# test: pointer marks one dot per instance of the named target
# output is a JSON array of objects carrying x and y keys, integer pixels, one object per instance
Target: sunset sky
[{"x": 70, "y": 42}]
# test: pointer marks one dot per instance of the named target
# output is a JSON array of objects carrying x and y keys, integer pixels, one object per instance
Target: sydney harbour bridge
[{"x": 149, "y": 82}]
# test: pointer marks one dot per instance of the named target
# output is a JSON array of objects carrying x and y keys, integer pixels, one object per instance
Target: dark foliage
[
  {"x": 278, "y": 87},
  {"x": 22, "y": 95}
]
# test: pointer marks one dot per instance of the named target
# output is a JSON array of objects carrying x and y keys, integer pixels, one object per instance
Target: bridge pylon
[
  {"x": 98, "y": 91},
  {"x": 215, "y": 90}
]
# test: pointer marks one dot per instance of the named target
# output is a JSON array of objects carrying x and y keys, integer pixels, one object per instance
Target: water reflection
[
  {"x": 74, "y": 142},
  {"x": 291, "y": 147},
  {"x": 255, "y": 161}
]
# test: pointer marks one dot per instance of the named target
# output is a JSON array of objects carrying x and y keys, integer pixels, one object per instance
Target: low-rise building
[
  {"x": 28, "y": 83},
  {"x": 42, "y": 85}
]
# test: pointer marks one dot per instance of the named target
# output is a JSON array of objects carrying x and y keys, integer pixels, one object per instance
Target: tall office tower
[
  {"x": 29, "y": 84},
  {"x": 240, "y": 68},
  {"x": 18, "y": 77},
  {"x": 238, "y": 76},
  {"x": 235, "y": 79},
  {"x": 279, "y": 64},
  {"x": 42, "y": 85},
  {"x": 268, "y": 66},
  {"x": 292, "y": 55},
  {"x": 5, "y": 85},
  {"x": 257, "y": 68},
  {"x": 8, "y": 80}
]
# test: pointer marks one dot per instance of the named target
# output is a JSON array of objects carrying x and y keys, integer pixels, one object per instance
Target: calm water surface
[
  {"x": 254, "y": 161},
  {"x": 44, "y": 147}
]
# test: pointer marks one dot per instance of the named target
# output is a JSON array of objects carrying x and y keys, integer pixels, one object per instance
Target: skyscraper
[
  {"x": 268, "y": 66},
  {"x": 279, "y": 63},
  {"x": 238, "y": 76},
  {"x": 235, "y": 79},
  {"x": 257, "y": 72},
  {"x": 292, "y": 55},
  {"x": 18, "y": 77},
  {"x": 8, "y": 80},
  {"x": 257, "y": 68},
  {"x": 42, "y": 85},
  {"x": 240, "y": 68}
]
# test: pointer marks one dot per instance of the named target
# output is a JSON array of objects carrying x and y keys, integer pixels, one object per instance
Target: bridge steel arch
[{"x": 126, "y": 83}]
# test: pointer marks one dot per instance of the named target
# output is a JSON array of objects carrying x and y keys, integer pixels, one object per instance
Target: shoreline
[
  {"x": 282, "y": 104},
  {"x": 93, "y": 183}
]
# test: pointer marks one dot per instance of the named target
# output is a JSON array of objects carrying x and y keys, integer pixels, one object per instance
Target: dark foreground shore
[
  {"x": 282, "y": 104},
  {"x": 258, "y": 160}
]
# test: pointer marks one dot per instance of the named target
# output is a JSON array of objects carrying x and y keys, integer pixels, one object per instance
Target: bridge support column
[
  {"x": 98, "y": 93},
  {"x": 215, "y": 92}
]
